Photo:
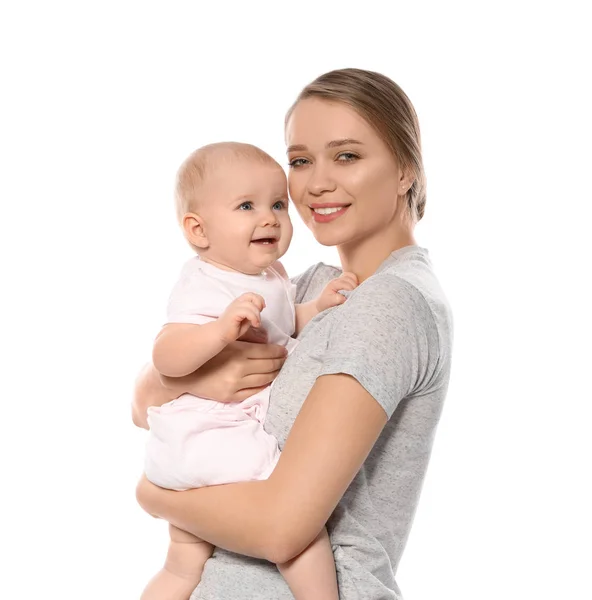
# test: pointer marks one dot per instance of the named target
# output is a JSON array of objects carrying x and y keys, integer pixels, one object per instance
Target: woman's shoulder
[
  {"x": 409, "y": 273},
  {"x": 404, "y": 290},
  {"x": 382, "y": 297}
]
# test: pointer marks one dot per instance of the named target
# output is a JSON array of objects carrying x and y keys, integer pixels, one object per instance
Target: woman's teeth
[{"x": 327, "y": 211}]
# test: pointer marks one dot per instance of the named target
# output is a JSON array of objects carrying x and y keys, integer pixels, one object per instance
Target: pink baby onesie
[{"x": 194, "y": 442}]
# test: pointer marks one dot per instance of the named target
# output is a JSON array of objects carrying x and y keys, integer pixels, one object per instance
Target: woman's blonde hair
[{"x": 386, "y": 107}]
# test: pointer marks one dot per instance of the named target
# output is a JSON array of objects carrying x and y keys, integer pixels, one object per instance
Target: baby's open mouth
[{"x": 265, "y": 241}]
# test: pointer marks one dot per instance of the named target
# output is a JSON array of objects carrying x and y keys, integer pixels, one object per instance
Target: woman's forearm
[
  {"x": 278, "y": 518},
  {"x": 238, "y": 517}
]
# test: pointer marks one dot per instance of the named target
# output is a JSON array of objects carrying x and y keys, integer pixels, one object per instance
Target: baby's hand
[
  {"x": 240, "y": 315},
  {"x": 330, "y": 296}
]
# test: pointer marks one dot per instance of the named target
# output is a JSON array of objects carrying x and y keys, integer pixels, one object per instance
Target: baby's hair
[{"x": 202, "y": 162}]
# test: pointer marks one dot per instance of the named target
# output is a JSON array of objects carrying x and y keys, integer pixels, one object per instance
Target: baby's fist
[
  {"x": 240, "y": 315},
  {"x": 330, "y": 296}
]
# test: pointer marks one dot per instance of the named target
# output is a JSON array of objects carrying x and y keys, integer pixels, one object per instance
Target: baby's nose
[{"x": 270, "y": 218}]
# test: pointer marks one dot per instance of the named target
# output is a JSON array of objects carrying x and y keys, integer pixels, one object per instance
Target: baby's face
[{"x": 245, "y": 213}]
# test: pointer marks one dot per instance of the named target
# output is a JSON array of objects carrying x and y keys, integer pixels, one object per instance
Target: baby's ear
[{"x": 194, "y": 228}]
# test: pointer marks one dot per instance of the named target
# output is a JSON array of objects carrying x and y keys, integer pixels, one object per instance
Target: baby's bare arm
[
  {"x": 328, "y": 298},
  {"x": 304, "y": 313},
  {"x": 181, "y": 348}
]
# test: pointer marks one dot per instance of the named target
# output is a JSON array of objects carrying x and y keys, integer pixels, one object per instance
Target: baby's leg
[
  {"x": 311, "y": 575},
  {"x": 182, "y": 569}
]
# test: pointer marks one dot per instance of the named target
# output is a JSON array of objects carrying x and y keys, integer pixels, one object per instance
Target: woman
[{"x": 356, "y": 405}]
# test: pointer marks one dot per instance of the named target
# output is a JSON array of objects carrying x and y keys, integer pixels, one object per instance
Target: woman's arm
[{"x": 277, "y": 519}]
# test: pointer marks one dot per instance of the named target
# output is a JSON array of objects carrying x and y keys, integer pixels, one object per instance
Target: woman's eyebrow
[
  {"x": 331, "y": 144},
  {"x": 343, "y": 142},
  {"x": 296, "y": 148}
]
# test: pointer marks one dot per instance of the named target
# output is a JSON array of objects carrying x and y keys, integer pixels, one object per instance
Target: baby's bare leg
[
  {"x": 182, "y": 569},
  {"x": 311, "y": 575}
]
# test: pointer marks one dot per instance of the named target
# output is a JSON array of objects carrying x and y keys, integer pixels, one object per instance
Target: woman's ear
[
  {"x": 406, "y": 181},
  {"x": 194, "y": 228}
]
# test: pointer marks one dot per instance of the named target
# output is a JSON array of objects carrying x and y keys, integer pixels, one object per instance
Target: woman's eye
[
  {"x": 297, "y": 162},
  {"x": 245, "y": 206},
  {"x": 347, "y": 157},
  {"x": 279, "y": 205}
]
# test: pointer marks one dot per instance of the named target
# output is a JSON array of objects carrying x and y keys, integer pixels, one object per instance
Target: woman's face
[{"x": 343, "y": 179}]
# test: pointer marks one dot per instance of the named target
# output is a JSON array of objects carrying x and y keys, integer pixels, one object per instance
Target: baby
[{"x": 232, "y": 204}]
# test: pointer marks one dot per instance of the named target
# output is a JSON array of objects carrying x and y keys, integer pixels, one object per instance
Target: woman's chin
[{"x": 330, "y": 238}]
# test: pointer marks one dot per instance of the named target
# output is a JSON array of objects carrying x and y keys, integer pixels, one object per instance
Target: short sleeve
[
  {"x": 197, "y": 298},
  {"x": 385, "y": 337}
]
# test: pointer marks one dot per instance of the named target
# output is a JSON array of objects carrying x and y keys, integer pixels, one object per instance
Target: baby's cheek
[{"x": 287, "y": 229}]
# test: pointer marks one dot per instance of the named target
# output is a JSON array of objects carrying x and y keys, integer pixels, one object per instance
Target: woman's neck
[{"x": 364, "y": 256}]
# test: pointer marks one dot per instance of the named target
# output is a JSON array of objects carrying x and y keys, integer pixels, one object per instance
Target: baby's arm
[
  {"x": 181, "y": 348},
  {"x": 328, "y": 298}
]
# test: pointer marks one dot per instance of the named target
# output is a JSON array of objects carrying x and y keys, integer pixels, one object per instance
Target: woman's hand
[
  {"x": 237, "y": 372},
  {"x": 240, "y": 370}
]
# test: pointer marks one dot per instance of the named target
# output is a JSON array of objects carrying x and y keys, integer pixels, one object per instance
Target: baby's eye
[
  {"x": 297, "y": 162},
  {"x": 347, "y": 157},
  {"x": 246, "y": 206},
  {"x": 279, "y": 205}
]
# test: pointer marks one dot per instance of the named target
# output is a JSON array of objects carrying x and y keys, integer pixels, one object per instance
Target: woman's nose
[{"x": 320, "y": 182}]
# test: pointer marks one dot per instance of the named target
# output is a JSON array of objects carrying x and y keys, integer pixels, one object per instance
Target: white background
[{"x": 100, "y": 102}]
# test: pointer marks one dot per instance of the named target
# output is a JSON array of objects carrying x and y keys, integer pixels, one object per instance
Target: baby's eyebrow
[{"x": 331, "y": 144}]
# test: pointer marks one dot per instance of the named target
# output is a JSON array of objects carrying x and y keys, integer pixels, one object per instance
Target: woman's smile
[{"x": 327, "y": 212}]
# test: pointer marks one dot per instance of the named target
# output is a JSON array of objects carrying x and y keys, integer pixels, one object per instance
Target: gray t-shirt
[{"x": 394, "y": 335}]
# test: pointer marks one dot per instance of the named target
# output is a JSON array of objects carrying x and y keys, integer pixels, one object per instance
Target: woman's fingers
[
  {"x": 263, "y": 365},
  {"x": 241, "y": 395},
  {"x": 257, "y": 335},
  {"x": 254, "y": 383},
  {"x": 256, "y": 351},
  {"x": 241, "y": 370},
  {"x": 259, "y": 380}
]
